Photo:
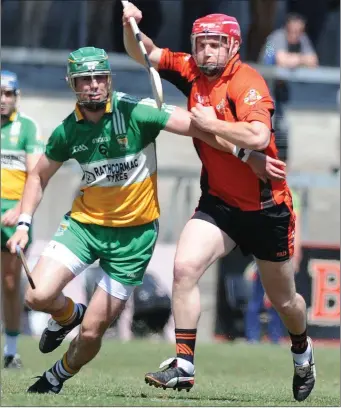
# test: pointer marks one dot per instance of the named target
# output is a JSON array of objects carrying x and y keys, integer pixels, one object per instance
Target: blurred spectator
[
  {"x": 290, "y": 47},
  {"x": 315, "y": 13},
  {"x": 287, "y": 47}
]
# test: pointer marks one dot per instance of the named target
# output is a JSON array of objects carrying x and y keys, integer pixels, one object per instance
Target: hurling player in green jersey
[{"x": 21, "y": 148}]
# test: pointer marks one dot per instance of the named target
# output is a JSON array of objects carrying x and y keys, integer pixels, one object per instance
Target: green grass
[{"x": 227, "y": 375}]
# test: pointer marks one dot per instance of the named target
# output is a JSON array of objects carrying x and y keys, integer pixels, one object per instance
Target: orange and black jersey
[{"x": 239, "y": 94}]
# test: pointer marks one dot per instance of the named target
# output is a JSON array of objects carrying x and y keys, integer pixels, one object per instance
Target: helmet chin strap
[
  {"x": 93, "y": 106},
  {"x": 211, "y": 70}
]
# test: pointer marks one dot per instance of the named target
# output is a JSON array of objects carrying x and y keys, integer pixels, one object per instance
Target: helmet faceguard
[
  {"x": 224, "y": 27},
  {"x": 10, "y": 84},
  {"x": 89, "y": 61}
]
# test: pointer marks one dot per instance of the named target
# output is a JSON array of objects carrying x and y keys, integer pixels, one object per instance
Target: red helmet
[{"x": 219, "y": 25}]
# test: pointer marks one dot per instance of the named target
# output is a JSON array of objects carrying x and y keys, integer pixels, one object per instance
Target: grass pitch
[{"x": 227, "y": 375}]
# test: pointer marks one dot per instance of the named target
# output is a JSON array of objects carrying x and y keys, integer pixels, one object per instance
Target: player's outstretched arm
[
  {"x": 10, "y": 218},
  {"x": 248, "y": 135},
  {"x": 180, "y": 123},
  {"x": 265, "y": 167},
  {"x": 36, "y": 183},
  {"x": 130, "y": 44}
]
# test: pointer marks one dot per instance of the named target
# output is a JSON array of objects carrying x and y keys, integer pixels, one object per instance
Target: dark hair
[{"x": 294, "y": 17}]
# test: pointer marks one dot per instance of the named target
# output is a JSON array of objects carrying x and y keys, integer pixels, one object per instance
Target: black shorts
[{"x": 267, "y": 234}]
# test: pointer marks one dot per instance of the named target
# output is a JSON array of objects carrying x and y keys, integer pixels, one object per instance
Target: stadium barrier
[{"x": 41, "y": 56}]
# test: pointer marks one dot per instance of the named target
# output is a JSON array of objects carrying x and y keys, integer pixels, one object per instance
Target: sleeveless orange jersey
[{"x": 239, "y": 94}]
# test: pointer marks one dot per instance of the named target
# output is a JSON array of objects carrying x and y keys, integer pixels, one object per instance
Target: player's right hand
[
  {"x": 266, "y": 167},
  {"x": 130, "y": 10},
  {"x": 20, "y": 237}
]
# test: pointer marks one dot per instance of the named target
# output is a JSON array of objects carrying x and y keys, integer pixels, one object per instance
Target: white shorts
[{"x": 62, "y": 254}]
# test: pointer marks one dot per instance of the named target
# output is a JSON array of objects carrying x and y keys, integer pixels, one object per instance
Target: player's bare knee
[
  {"x": 10, "y": 284},
  {"x": 286, "y": 307},
  {"x": 91, "y": 334},
  {"x": 186, "y": 272},
  {"x": 10, "y": 278},
  {"x": 37, "y": 299}
]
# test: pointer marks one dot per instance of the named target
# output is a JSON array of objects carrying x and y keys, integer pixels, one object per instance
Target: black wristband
[
  {"x": 241, "y": 153},
  {"x": 24, "y": 223}
]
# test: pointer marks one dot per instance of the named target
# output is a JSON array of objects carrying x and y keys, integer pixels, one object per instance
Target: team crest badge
[
  {"x": 252, "y": 97},
  {"x": 221, "y": 107},
  {"x": 62, "y": 228},
  {"x": 199, "y": 98},
  {"x": 203, "y": 100}
]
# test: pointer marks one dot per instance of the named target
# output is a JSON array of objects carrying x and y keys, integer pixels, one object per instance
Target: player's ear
[{"x": 236, "y": 47}]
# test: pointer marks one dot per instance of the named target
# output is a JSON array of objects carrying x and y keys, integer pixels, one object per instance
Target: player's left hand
[
  {"x": 202, "y": 117},
  {"x": 10, "y": 218},
  {"x": 266, "y": 167}
]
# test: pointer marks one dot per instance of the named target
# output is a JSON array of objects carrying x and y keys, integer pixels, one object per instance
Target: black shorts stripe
[{"x": 266, "y": 197}]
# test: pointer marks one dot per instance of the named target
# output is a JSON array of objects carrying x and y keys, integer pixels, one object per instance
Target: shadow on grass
[{"x": 178, "y": 396}]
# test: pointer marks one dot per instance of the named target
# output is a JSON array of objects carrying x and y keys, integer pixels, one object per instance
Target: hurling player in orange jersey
[{"x": 230, "y": 99}]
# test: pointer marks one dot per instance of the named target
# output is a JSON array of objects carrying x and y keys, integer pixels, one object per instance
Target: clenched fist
[{"x": 129, "y": 11}]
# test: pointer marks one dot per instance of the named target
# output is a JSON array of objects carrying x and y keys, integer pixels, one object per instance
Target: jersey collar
[
  {"x": 13, "y": 116},
  {"x": 232, "y": 66},
  {"x": 79, "y": 116},
  {"x": 114, "y": 101}
]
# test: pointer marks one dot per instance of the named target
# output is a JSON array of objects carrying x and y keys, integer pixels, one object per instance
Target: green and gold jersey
[
  {"x": 118, "y": 159},
  {"x": 19, "y": 136}
]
